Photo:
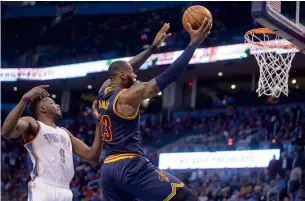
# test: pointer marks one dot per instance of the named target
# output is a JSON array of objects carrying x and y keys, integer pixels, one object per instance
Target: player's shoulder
[
  {"x": 134, "y": 89},
  {"x": 33, "y": 128},
  {"x": 105, "y": 85},
  {"x": 29, "y": 120},
  {"x": 69, "y": 133},
  {"x": 105, "y": 92}
]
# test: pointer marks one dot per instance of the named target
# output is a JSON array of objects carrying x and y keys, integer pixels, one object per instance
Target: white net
[{"x": 274, "y": 56}]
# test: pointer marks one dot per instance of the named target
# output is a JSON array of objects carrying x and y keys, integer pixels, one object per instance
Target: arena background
[{"x": 213, "y": 107}]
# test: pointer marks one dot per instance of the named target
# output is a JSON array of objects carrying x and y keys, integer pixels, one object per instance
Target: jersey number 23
[{"x": 106, "y": 128}]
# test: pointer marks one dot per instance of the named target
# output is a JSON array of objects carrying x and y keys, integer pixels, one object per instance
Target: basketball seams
[
  {"x": 194, "y": 10},
  {"x": 184, "y": 19},
  {"x": 200, "y": 13},
  {"x": 187, "y": 19},
  {"x": 195, "y": 15},
  {"x": 194, "y": 18}
]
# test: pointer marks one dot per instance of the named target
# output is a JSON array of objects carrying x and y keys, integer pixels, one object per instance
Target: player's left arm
[
  {"x": 137, "y": 61},
  {"x": 91, "y": 155}
]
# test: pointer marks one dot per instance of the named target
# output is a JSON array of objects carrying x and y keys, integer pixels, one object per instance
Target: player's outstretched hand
[
  {"x": 38, "y": 91},
  {"x": 161, "y": 35},
  {"x": 199, "y": 35},
  {"x": 95, "y": 112}
]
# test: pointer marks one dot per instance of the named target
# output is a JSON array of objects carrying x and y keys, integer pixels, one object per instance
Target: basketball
[{"x": 195, "y": 15}]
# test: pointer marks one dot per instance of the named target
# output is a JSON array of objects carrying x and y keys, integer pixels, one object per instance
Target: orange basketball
[{"x": 195, "y": 15}]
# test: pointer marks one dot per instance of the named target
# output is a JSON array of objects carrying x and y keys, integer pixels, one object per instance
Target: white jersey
[{"x": 51, "y": 154}]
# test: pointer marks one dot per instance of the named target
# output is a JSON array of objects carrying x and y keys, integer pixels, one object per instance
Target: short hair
[
  {"x": 116, "y": 67},
  {"x": 33, "y": 106}
]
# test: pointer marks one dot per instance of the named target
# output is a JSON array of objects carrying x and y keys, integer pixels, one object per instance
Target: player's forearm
[
  {"x": 95, "y": 152},
  {"x": 12, "y": 119},
  {"x": 176, "y": 68},
  {"x": 137, "y": 61}
]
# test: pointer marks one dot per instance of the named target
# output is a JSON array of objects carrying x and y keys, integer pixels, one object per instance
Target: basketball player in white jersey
[{"x": 51, "y": 148}]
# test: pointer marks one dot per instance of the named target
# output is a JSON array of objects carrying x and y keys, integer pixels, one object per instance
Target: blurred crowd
[
  {"x": 87, "y": 38},
  {"x": 216, "y": 127},
  {"x": 278, "y": 127}
]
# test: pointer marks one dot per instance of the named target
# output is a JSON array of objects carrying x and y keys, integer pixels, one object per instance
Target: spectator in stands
[
  {"x": 279, "y": 182},
  {"x": 203, "y": 197},
  {"x": 284, "y": 163},
  {"x": 299, "y": 142},
  {"x": 300, "y": 195},
  {"x": 254, "y": 143},
  {"x": 277, "y": 144},
  {"x": 273, "y": 167},
  {"x": 295, "y": 179},
  {"x": 234, "y": 196},
  {"x": 297, "y": 161}
]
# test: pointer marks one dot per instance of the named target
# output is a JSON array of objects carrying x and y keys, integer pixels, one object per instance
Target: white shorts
[{"x": 41, "y": 189}]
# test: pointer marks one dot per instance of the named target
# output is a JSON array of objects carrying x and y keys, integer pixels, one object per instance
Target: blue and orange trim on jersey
[
  {"x": 121, "y": 115},
  {"x": 117, "y": 157},
  {"x": 30, "y": 191},
  {"x": 32, "y": 150}
]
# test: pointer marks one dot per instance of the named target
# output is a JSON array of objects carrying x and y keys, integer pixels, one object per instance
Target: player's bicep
[
  {"x": 151, "y": 89},
  {"x": 138, "y": 92},
  {"x": 23, "y": 126}
]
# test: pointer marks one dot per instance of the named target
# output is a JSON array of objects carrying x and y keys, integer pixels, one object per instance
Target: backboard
[{"x": 285, "y": 18}]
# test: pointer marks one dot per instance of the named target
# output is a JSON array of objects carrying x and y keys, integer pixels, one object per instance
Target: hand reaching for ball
[
  {"x": 161, "y": 35},
  {"x": 199, "y": 35}
]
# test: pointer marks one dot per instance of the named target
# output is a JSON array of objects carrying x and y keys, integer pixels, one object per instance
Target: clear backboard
[{"x": 285, "y": 18}]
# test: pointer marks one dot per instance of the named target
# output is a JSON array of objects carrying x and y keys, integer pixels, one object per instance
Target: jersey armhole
[
  {"x": 121, "y": 115},
  {"x": 68, "y": 132},
  {"x": 35, "y": 136}
]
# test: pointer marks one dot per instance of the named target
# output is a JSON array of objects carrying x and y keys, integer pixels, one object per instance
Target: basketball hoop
[{"x": 268, "y": 49}]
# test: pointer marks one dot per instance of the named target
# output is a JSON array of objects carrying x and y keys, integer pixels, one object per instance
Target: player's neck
[
  {"x": 115, "y": 86},
  {"x": 47, "y": 121}
]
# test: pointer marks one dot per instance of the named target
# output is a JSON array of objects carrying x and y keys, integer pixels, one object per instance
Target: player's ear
[
  {"x": 123, "y": 75},
  {"x": 42, "y": 109}
]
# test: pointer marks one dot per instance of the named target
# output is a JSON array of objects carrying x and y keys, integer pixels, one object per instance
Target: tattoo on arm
[{"x": 138, "y": 92}]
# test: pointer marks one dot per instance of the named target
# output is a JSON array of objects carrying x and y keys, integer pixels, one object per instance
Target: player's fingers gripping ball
[{"x": 195, "y": 15}]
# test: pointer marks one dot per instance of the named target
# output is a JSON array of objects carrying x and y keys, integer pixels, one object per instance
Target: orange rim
[{"x": 263, "y": 44}]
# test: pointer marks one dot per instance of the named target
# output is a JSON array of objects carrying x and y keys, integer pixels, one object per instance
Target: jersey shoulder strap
[
  {"x": 104, "y": 92},
  {"x": 116, "y": 97}
]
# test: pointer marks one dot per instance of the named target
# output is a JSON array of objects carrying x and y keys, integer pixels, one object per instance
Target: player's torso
[
  {"x": 121, "y": 134},
  {"x": 51, "y": 154}
]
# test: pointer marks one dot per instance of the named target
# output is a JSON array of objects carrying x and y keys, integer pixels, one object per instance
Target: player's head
[
  {"x": 45, "y": 107},
  {"x": 121, "y": 72}
]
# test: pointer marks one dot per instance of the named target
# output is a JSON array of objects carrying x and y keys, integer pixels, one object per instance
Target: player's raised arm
[
  {"x": 14, "y": 126},
  {"x": 91, "y": 155},
  {"x": 137, "y": 61},
  {"x": 142, "y": 91}
]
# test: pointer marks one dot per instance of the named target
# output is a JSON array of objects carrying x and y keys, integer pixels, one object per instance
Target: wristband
[{"x": 193, "y": 44}]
